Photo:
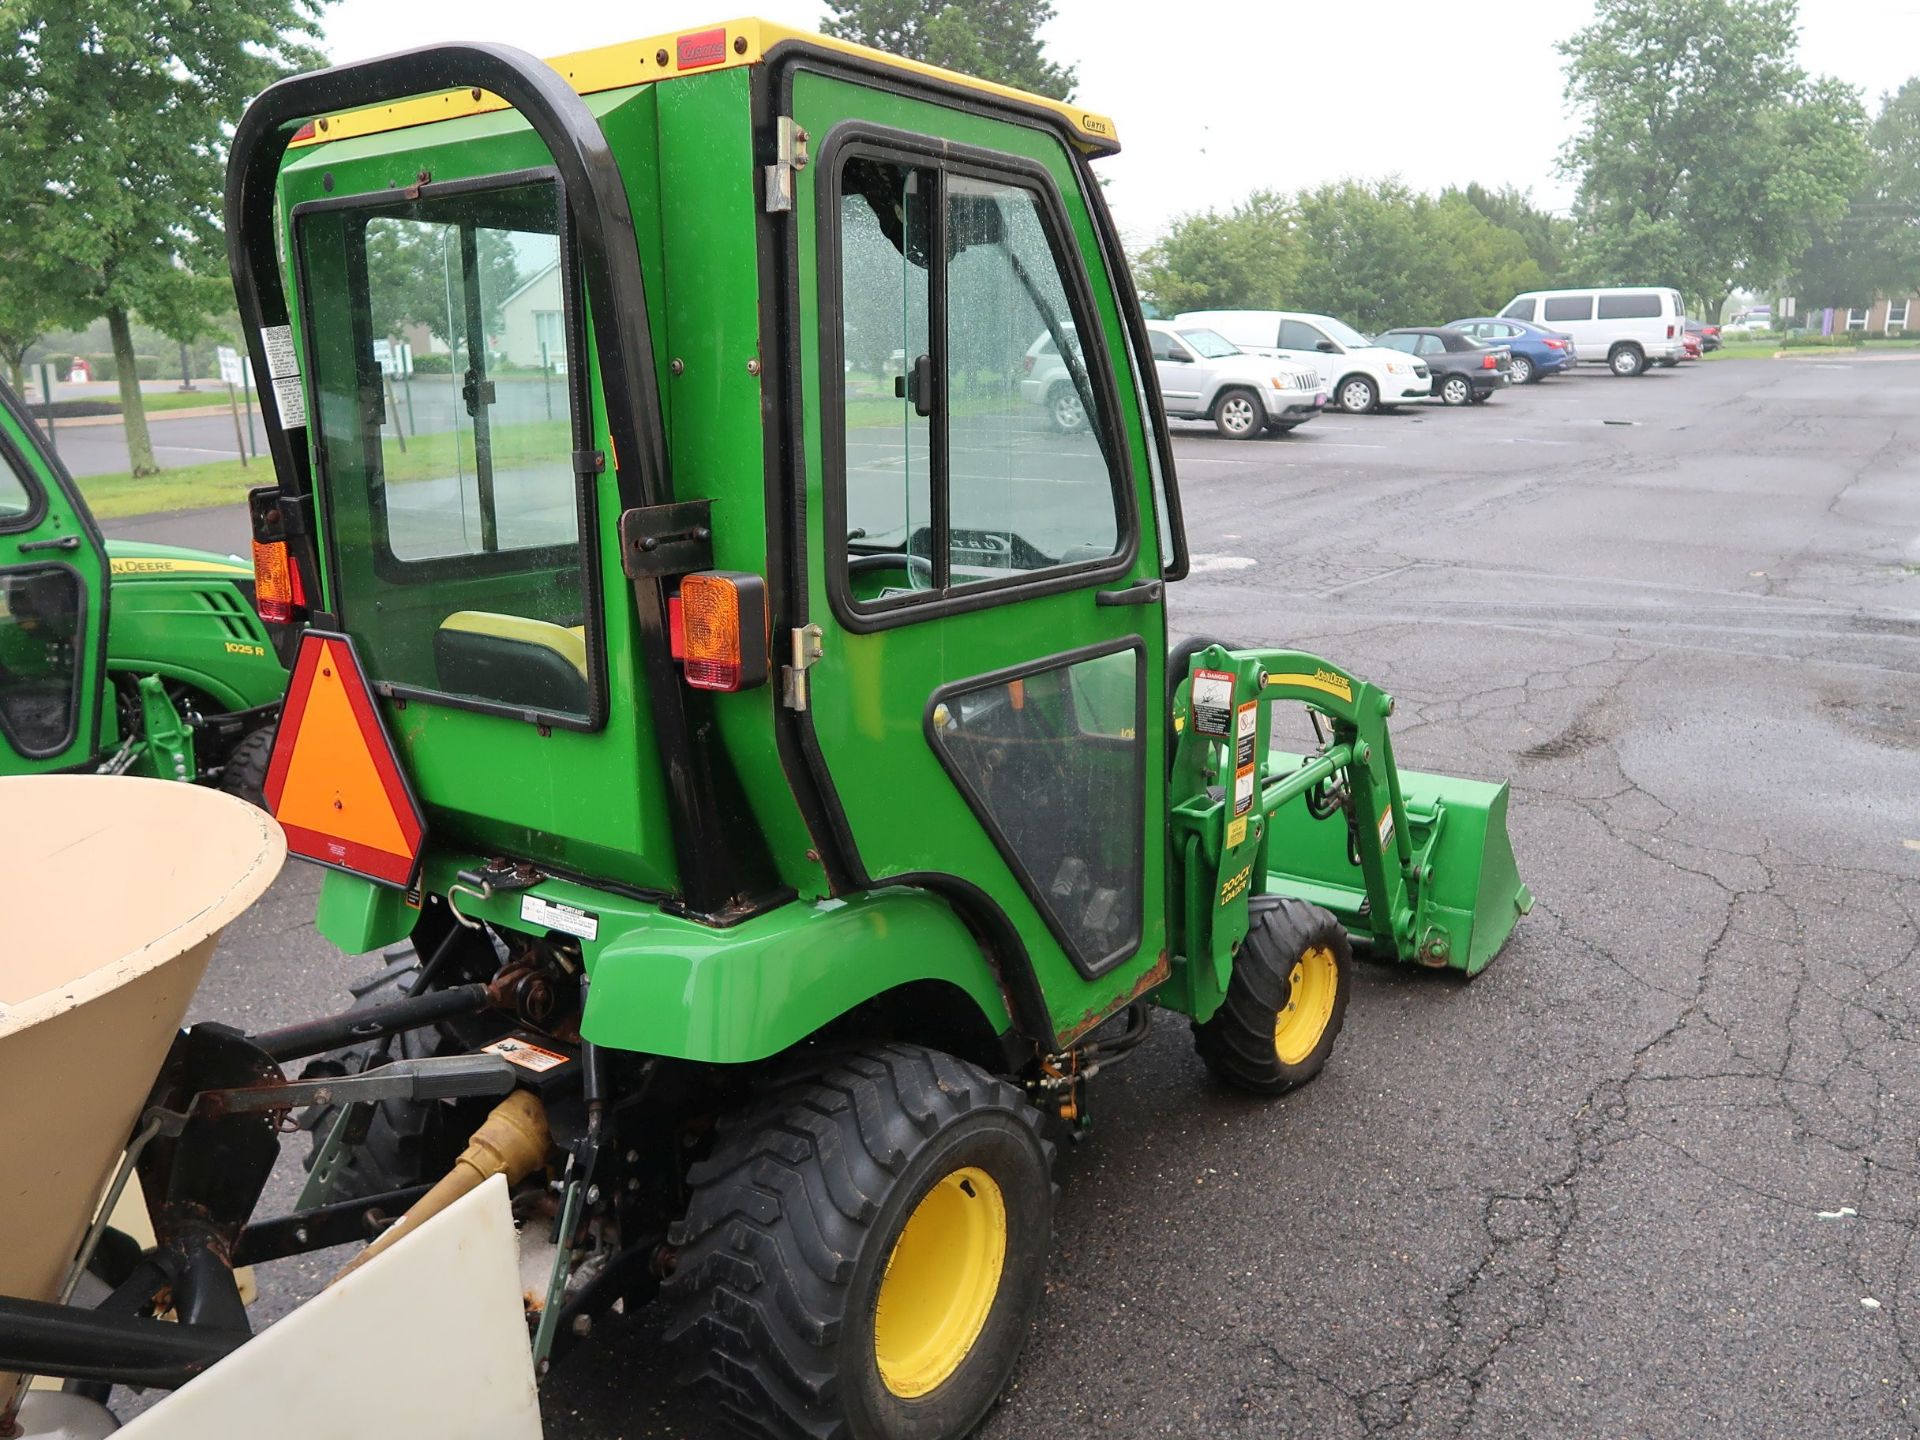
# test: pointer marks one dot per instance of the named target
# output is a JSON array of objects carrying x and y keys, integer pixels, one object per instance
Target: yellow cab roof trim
[{"x": 692, "y": 51}]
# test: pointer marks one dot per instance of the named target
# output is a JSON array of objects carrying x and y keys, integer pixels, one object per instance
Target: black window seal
[
  {"x": 1088, "y": 968},
  {"x": 396, "y": 569},
  {"x": 78, "y": 690},
  {"x": 868, "y": 141}
]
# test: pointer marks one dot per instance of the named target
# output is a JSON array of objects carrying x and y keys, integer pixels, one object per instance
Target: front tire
[
  {"x": 1626, "y": 360},
  {"x": 1358, "y": 395},
  {"x": 864, "y": 1250},
  {"x": 1456, "y": 390},
  {"x": 1238, "y": 415},
  {"x": 1286, "y": 999},
  {"x": 1521, "y": 371}
]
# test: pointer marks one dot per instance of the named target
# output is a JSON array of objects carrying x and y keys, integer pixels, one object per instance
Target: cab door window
[
  {"x": 978, "y": 437},
  {"x": 41, "y": 615}
]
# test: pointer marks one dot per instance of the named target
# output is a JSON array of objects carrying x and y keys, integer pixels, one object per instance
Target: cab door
[
  {"x": 988, "y": 717},
  {"x": 53, "y": 576}
]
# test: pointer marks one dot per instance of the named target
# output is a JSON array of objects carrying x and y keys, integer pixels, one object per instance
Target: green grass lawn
[
  {"x": 226, "y": 482},
  {"x": 1763, "y": 347}
]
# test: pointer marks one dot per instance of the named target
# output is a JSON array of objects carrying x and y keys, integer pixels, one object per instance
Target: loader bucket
[
  {"x": 1472, "y": 893},
  {"x": 117, "y": 889}
]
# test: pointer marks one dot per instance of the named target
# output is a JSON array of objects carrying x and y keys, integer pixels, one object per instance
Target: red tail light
[
  {"x": 1669, "y": 332},
  {"x": 1489, "y": 362},
  {"x": 723, "y": 626},
  {"x": 278, "y": 595},
  {"x": 1553, "y": 344}
]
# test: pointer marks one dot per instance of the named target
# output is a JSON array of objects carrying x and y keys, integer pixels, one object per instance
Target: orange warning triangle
[{"x": 334, "y": 782}]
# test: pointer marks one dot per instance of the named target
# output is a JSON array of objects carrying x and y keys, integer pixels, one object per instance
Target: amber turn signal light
[{"x": 723, "y": 622}]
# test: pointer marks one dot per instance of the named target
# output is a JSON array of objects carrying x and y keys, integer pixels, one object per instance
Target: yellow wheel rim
[
  {"x": 1310, "y": 990},
  {"x": 940, "y": 1282}
]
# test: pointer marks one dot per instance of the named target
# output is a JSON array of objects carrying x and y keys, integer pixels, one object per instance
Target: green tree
[
  {"x": 114, "y": 117},
  {"x": 994, "y": 39},
  {"x": 1548, "y": 237},
  {"x": 1706, "y": 157},
  {"x": 23, "y": 317},
  {"x": 1874, "y": 248},
  {"x": 1244, "y": 259}
]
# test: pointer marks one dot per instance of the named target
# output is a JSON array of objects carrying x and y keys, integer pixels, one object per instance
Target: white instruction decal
[
  {"x": 556, "y": 916},
  {"x": 1212, "y": 703},
  {"x": 525, "y": 1054},
  {"x": 291, "y": 401},
  {"x": 282, "y": 358},
  {"x": 1386, "y": 826}
]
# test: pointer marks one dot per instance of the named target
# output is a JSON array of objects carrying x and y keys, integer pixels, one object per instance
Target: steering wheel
[{"x": 891, "y": 560}]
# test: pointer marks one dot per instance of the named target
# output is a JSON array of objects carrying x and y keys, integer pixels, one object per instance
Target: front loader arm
[{"x": 1417, "y": 867}]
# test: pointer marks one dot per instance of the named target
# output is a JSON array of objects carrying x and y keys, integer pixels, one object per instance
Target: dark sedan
[
  {"x": 1537, "y": 350},
  {"x": 1709, "y": 335},
  {"x": 1464, "y": 370}
]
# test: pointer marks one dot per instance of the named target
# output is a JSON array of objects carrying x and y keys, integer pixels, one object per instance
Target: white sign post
[{"x": 233, "y": 372}]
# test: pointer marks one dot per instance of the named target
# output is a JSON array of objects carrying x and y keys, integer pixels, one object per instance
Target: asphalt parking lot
[{"x": 1657, "y": 1171}]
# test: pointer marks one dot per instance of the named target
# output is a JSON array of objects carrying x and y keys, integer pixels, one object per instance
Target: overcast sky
[{"x": 1218, "y": 97}]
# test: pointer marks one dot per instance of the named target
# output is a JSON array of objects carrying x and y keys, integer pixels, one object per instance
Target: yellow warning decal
[{"x": 1236, "y": 831}]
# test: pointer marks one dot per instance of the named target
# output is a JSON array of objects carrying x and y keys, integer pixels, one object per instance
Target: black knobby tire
[
  {"x": 245, "y": 773},
  {"x": 1241, "y": 1041},
  {"x": 793, "y": 1226}
]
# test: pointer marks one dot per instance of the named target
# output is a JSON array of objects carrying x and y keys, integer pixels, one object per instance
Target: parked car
[
  {"x": 1537, "y": 351},
  {"x": 1626, "y": 328},
  {"x": 1465, "y": 372},
  {"x": 1693, "y": 348},
  {"x": 1756, "y": 320},
  {"x": 1203, "y": 376},
  {"x": 1709, "y": 335},
  {"x": 1359, "y": 375}
]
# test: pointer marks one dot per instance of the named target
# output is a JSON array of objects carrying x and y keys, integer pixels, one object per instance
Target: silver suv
[{"x": 1202, "y": 377}]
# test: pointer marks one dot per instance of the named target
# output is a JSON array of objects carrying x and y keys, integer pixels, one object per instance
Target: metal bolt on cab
[{"x": 734, "y": 706}]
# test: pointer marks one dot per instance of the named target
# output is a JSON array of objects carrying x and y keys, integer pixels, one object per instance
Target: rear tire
[
  {"x": 1626, "y": 360},
  {"x": 1238, "y": 414},
  {"x": 245, "y": 773},
  {"x": 1286, "y": 999},
  {"x": 864, "y": 1250},
  {"x": 1520, "y": 371},
  {"x": 1456, "y": 390},
  {"x": 1358, "y": 395}
]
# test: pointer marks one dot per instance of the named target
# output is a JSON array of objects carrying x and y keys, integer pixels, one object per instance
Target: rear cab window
[{"x": 454, "y": 508}]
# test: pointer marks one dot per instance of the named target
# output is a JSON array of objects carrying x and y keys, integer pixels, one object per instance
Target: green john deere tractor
[
  {"x": 118, "y": 656},
  {"x": 748, "y": 726}
]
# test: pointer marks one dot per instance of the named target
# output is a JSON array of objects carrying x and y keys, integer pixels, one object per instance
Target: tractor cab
[
  {"x": 717, "y": 551},
  {"x": 53, "y": 612}
]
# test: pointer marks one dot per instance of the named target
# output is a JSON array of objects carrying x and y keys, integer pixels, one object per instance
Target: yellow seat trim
[{"x": 570, "y": 644}]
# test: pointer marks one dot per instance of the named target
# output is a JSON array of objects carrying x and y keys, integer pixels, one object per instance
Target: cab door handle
[
  {"x": 1144, "y": 592},
  {"x": 63, "y": 542}
]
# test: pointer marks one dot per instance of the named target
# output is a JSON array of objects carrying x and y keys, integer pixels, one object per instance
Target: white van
[
  {"x": 1359, "y": 375},
  {"x": 1629, "y": 327}
]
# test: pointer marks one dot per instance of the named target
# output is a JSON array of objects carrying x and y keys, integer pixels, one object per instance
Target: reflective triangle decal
[{"x": 334, "y": 782}]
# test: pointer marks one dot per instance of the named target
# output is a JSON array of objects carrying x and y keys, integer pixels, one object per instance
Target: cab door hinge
[
  {"x": 790, "y": 157},
  {"x": 807, "y": 649}
]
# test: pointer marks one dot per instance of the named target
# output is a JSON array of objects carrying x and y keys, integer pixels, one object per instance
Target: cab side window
[
  {"x": 16, "y": 498},
  {"x": 978, "y": 436}
]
